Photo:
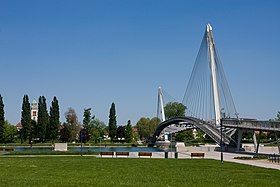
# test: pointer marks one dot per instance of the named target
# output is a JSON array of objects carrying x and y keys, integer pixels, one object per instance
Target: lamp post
[
  {"x": 81, "y": 143},
  {"x": 223, "y": 114},
  {"x": 171, "y": 144},
  {"x": 221, "y": 142},
  {"x": 81, "y": 140}
]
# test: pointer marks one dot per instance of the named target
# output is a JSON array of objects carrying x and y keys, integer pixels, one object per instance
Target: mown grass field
[{"x": 90, "y": 171}]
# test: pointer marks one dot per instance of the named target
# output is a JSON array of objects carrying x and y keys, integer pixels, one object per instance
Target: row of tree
[
  {"x": 47, "y": 126},
  {"x": 92, "y": 129}
]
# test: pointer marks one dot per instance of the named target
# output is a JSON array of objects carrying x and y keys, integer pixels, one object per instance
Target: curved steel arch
[
  {"x": 210, "y": 130},
  {"x": 171, "y": 121}
]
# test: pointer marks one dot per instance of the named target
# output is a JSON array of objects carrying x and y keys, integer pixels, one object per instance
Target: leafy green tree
[
  {"x": 278, "y": 116},
  {"x": 2, "y": 119},
  {"x": 10, "y": 133},
  {"x": 174, "y": 109},
  {"x": 43, "y": 119},
  {"x": 128, "y": 132},
  {"x": 146, "y": 127},
  {"x": 112, "y": 122},
  {"x": 97, "y": 124},
  {"x": 53, "y": 127},
  {"x": 184, "y": 136},
  {"x": 272, "y": 135},
  {"x": 97, "y": 130},
  {"x": 73, "y": 124},
  {"x": 26, "y": 119}
]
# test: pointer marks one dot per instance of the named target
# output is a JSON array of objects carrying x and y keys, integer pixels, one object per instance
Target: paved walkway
[{"x": 228, "y": 157}]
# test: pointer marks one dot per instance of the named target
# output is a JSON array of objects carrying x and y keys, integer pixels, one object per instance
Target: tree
[
  {"x": 2, "y": 119},
  {"x": 97, "y": 130},
  {"x": 112, "y": 122},
  {"x": 26, "y": 119},
  {"x": 43, "y": 119},
  {"x": 53, "y": 127},
  {"x": 33, "y": 132},
  {"x": 10, "y": 133},
  {"x": 146, "y": 127},
  {"x": 65, "y": 133},
  {"x": 184, "y": 136},
  {"x": 121, "y": 132},
  {"x": 278, "y": 116},
  {"x": 73, "y": 124},
  {"x": 87, "y": 119},
  {"x": 128, "y": 132},
  {"x": 174, "y": 109}
]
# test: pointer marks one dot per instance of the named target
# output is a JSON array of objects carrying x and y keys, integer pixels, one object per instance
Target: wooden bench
[
  {"x": 145, "y": 154},
  {"x": 197, "y": 155},
  {"x": 107, "y": 153},
  {"x": 122, "y": 154}
]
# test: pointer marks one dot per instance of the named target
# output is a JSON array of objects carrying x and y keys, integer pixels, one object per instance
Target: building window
[{"x": 34, "y": 113}]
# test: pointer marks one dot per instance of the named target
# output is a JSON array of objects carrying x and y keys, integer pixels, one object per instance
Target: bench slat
[
  {"x": 107, "y": 153},
  {"x": 145, "y": 154},
  {"x": 122, "y": 153},
  {"x": 197, "y": 155}
]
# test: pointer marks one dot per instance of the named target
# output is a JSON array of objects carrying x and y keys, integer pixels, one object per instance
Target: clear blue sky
[{"x": 92, "y": 53}]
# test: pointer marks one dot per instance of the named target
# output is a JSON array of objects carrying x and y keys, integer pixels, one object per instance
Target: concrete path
[{"x": 228, "y": 157}]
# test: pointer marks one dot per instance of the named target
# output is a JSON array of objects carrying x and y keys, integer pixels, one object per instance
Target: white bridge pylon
[
  {"x": 161, "y": 107},
  {"x": 207, "y": 96},
  {"x": 210, "y": 42}
]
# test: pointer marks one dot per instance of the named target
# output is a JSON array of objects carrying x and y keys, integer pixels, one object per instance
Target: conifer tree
[
  {"x": 112, "y": 122},
  {"x": 87, "y": 118},
  {"x": 26, "y": 119},
  {"x": 43, "y": 119},
  {"x": 2, "y": 120},
  {"x": 128, "y": 132},
  {"x": 53, "y": 127}
]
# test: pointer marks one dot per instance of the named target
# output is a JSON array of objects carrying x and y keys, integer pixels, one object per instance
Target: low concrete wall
[
  {"x": 262, "y": 149},
  {"x": 203, "y": 148},
  {"x": 60, "y": 147}
]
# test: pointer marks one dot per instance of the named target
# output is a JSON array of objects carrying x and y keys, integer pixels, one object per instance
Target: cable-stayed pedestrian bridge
[{"x": 209, "y": 103}]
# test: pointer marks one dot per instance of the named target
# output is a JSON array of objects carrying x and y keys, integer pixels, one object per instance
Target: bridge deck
[{"x": 251, "y": 124}]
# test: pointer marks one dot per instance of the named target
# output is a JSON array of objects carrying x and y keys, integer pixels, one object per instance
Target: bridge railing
[{"x": 251, "y": 124}]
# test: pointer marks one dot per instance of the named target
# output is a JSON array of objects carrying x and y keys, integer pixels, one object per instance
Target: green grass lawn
[{"x": 90, "y": 171}]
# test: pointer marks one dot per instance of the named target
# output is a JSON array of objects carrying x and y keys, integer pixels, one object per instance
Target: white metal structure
[
  {"x": 210, "y": 42},
  {"x": 161, "y": 103},
  {"x": 160, "y": 98}
]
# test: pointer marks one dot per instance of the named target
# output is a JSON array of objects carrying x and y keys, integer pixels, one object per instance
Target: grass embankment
[{"x": 90, "y": 171}]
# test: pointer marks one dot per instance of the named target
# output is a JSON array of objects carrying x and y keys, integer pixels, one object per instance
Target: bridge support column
[
  {"x": 255, "y": 140},
  {"x": 239, "y": 138},
  {"x": 259, "y": 139}
]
